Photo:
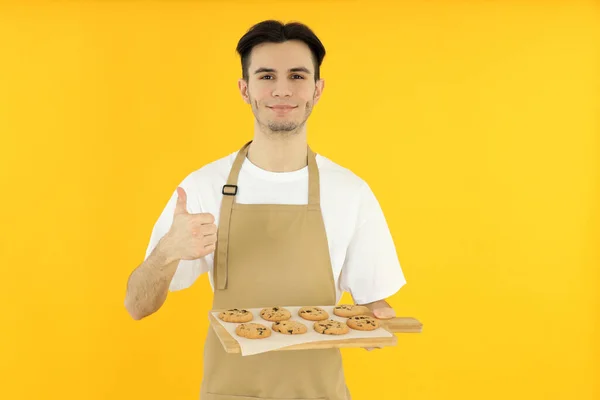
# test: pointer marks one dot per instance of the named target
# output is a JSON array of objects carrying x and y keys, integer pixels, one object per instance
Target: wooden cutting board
[{"x": 394, "y": 325}]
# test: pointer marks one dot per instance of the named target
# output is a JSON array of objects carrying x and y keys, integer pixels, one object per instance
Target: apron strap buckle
[{"x": 235, "y": 189}]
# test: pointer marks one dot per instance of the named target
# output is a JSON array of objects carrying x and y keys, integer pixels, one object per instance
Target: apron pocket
[{"x": 214, "y": 396}]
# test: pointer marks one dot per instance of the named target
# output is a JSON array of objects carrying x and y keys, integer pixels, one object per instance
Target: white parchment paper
[{"x": 278, "y": 340}]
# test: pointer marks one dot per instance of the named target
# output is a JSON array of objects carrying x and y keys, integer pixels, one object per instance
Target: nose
[{"x": 282, "y": 89}]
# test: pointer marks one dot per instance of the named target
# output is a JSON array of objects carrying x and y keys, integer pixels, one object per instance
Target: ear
[
  {"x": 320, "y": 86},
  {"x": 243, "y": 87}
]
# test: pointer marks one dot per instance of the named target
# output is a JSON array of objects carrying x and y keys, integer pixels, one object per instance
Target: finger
[
  {"x": 210, "y": 239},
  {"x": 384, "y": 313},
  {"x": 211, "y": 247},
  {"x": 208, "y": 230},
  {"x": 180, "y": 207},
  {"x": 204, "y": 218}
]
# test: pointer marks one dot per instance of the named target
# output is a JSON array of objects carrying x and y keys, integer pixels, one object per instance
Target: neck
[{"x": 279, "y": 152}]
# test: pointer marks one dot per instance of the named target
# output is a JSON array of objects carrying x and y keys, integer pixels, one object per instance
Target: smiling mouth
[{"x": 282, "y": 109}]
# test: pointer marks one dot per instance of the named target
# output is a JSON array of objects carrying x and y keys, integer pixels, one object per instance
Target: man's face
[{"x": 281, "y": 85}]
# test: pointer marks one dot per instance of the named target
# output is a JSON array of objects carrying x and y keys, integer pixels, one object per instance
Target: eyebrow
[{"x": 297, "y": 69}]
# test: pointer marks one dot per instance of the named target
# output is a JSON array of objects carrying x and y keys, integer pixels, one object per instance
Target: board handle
[{"x": 402, "y": 325}]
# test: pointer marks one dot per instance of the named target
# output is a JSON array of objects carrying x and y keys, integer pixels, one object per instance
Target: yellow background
[{"x": 475, "y": 123}]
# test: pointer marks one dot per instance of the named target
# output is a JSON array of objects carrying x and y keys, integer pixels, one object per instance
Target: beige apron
[{"x": 272, "y": 255}]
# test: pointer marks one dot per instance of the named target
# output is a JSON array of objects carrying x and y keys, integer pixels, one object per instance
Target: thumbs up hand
[{"x": 191, "y": 236}]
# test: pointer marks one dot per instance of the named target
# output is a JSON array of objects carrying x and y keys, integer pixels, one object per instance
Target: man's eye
[{"x": 295, "y": 76}]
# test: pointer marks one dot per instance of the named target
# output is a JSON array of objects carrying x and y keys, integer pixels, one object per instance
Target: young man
[{"x": 272, "y": 215}]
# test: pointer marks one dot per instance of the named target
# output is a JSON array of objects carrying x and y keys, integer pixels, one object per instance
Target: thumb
[
  {"x": 180, "y": 207},
  {"x": 384, "y": 313}
]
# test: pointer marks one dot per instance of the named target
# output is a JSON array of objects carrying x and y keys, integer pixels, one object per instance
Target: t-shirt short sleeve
[
  {"x": 371, "y": 270},
  {"x": 187, "y": 270}
]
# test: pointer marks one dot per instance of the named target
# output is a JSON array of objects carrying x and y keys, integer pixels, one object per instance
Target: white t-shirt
[{"x": 362, "y": 252}]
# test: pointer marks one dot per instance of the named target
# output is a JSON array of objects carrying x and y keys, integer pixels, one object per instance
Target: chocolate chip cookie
[
  {"x": 253, "y": 331},
  {"x": 289, "y": 327},
  {"x": 236, "y": 315},
  {"x": 349, "y": 310},
  {"x": 363, "y": 323},
  {"x": 313, "y": 313},
  {"x": 275, "y": 314},
  {"x": 331, "y": 327}
]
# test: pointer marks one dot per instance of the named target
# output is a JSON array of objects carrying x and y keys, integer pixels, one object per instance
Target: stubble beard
[{"x": 283, "y": 128}]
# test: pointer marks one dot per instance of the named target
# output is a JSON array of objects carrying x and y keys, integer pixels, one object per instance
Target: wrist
[{"x": 164, "y": 250}]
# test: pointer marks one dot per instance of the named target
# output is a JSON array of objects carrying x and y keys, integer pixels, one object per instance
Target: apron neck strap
[{"x": 313, "y": 175}]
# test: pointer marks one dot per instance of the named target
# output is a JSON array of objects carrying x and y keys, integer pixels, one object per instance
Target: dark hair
[{"x": 272, "y": 31}]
